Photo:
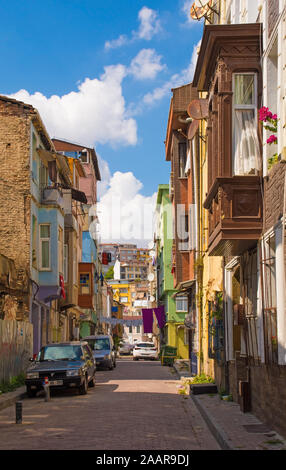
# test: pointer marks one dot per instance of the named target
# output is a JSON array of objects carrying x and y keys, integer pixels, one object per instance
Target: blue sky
[{"x": 100, "y": 74}]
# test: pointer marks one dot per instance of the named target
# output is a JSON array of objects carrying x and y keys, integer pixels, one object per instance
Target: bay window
[{"x": 246, "y": 152}]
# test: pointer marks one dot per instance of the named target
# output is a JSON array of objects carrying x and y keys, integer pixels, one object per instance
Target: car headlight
[
  {"x": 73, "y": 373},
  {"x": 32, "y": 375}
]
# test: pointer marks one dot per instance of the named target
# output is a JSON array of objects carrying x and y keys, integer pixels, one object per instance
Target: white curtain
[{"x": 246, "y": 154}]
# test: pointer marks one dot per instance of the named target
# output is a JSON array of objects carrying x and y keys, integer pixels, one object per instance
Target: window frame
[
  {"x": 244, "y": 107},
  {"x": 81, "y": 285},
  {"x": 44, "y": 239},
  {"x": 184, "y": 299}
]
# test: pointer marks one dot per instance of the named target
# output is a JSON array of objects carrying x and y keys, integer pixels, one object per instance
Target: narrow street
[{"x": 134, "y": 407}]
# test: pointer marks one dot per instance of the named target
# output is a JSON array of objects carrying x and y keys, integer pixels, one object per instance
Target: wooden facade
[{"x": 234, "y": 201}]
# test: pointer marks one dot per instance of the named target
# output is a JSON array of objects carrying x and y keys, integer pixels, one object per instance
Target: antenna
[
  {"x": 203, "y": 9},
  {"x": 193, "y": 129},
  {"x": 198, "y": 109}
]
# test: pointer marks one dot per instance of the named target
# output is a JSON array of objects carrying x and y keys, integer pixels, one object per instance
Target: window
[
  {"x": 130, "y": 329},
  {"x": 138, "y": 329},
  {"x": 84, "y": 156},
  {"x": 60, "y": 250},
  {"x": 181, "y": 304},
  {"x": 246, "y": 153},
  {"x": 43, "y": 177},
  {"x": 183, "y": 231},
  {"x": 124, "y": 300},
  {"x": 123, "y": 291},
  {"x": 182, "y": 159},
  {"x": 45, "y": 241},
  {"x": 66, "y": 258},
  {"x": 84, "y": 284},
  {"x": 270, "y": 300}
]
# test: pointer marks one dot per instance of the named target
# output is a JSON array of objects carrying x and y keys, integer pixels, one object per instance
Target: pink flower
[
  {"x": 274, "y": 117},
  {"x": 272, "y": 139}
]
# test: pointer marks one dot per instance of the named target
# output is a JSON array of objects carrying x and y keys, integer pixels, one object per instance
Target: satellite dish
[
  {"x": 151, "y": 277},
  {"x": 152, "y": 298},
  {"x": 152, "y": 253},
  {"x": 151, "y": 245},
  {"x": 193, "y": 129},
  {"x": 201, "y": 9},
  {"x": 198, "y": 109}
]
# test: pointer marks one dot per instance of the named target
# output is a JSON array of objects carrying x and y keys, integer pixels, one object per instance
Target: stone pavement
[
  {"x": 232, "y": 429},
  {"x": 235, "y": 430},
  {"x": 134, "y": 407}
]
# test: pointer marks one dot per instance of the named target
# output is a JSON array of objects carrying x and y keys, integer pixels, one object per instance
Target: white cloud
[
  {"x": 149, "y": 23},
  {"x": 124, "y": 213},
  {"x": 186, "y": 8},
  {"x": 149, "y": 26},
  {"x": 96, "y": 112},
  {"x": 147, "y": 64},
  {"x": 113, "y": 44},
  {"x": 179, "y": 79}
]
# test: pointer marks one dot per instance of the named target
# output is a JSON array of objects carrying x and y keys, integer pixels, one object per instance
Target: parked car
[
  {"x": 126, "y": 348},
  {"x": 103, "y": 350},
  {"x": 145, "y": 350},
  {"x": 66, "y": 365}
]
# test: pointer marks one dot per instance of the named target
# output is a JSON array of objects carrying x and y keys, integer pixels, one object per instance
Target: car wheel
[
  {"x": 83, "y": 387},
  {"x": 32, "y": 392},
  {"x": 135, "y": 359},
  {"x": 92, "y": 382}
]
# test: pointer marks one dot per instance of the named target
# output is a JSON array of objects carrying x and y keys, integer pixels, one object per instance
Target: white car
[{"x": 144, "y": 350}]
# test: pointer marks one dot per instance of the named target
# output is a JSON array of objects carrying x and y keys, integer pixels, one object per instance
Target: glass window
[
  {"x": 102, "y": 344},
  {"x": 65, "y": 263},
  {"x": 84, "y": 284},
  {"x": 246, "y": 151},
  {"x": 181, "y": 304},
  {"x": 45, "y": 246},
  {"x": 182, "y": 159},
  {"x": 59, "y": 353}
]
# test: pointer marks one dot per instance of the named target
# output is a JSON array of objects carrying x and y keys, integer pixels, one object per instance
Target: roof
[
  {"x": 35, "y": 117},
  {"x": 65, "y": 145}
]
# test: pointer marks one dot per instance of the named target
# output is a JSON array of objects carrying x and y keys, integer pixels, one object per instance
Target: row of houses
[
  {"x": 50, "y": 272},
  {"x": 220, "y": 233}
]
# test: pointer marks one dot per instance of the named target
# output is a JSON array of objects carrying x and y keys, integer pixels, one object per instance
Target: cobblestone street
[{"x": 134, "y": 407}]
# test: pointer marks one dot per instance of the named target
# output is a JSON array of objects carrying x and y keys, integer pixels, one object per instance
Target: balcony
[
  {"x": 235, "y": 215},
  {"x": 86, "y": 292},
  {"x": 52, "y": 196}
]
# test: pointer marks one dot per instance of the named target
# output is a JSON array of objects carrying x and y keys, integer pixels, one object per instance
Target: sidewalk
[
  {"x": 8, "y": 399},
  {"x": 233, "y": 429}
]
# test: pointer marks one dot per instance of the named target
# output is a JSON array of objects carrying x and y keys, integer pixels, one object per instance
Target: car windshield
[
  {"x": 101, "y": 343},
  {"x": 60, "y": 353},
  {"x": 145, "y": 345}
]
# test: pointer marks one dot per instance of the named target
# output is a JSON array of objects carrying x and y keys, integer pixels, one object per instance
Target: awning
[{"x": 183, "y": 288}]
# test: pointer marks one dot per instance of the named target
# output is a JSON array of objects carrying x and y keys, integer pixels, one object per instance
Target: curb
[
  {"x": 11, "y": 398},
  {"x": 215, "y": 429},
  {"x": 217, "y": 432}
]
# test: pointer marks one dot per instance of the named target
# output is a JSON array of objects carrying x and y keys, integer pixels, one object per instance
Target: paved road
[{"x": 134, "y": 407}]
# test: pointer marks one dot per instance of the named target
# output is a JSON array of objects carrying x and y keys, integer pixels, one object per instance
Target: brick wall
[
  {"x": 15, "y": 198},
  {"x": 268, "y": 395},
  {"x": 274, "y": 195}
]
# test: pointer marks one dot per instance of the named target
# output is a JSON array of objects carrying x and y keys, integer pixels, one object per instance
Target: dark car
[
  {"x": 66, "y": 365},
  {"x": 103, "y": 349}
]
